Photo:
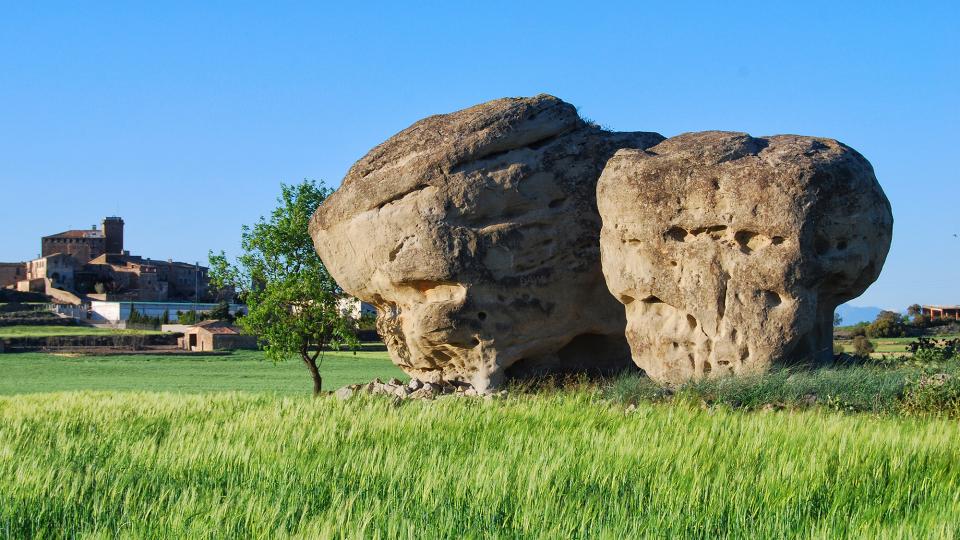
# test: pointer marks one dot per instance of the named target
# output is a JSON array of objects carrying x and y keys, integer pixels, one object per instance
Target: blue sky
[{"x": 184, "y": 119}]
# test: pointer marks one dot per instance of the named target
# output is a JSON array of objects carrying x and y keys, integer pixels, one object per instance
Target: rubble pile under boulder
[{"x": 415, "y": 389}]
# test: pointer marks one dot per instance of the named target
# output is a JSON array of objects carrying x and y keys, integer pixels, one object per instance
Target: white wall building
[
  {"x": 355, "y": 308},
  {"x": 113, "y": 312}
]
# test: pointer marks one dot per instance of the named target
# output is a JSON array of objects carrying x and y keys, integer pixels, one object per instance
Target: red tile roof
[{"x": 84, "y": 233}]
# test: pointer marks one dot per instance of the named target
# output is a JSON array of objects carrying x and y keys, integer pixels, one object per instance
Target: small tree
[
  {"x": 837, "y": 319},
  {"x": 294, "y": 307}
]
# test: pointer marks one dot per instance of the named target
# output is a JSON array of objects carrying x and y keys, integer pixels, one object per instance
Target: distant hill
[{"x": 856, "y": 314}]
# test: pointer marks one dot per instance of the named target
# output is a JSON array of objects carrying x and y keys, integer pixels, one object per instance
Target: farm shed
[{"x": 215, "y": 335}]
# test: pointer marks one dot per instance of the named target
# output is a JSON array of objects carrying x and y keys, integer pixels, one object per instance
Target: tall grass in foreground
[{"x": 563, "y": 465}]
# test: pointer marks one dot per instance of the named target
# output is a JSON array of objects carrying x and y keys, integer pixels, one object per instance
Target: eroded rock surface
[
  {"x": 731, "y": 252},
  {"x": 476, "y": 235}
]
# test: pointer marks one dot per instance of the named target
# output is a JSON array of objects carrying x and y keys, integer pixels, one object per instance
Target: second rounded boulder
[{"x": 730, "y": 253}]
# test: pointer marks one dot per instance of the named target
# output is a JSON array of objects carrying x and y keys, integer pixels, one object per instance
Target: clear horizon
[{"x": 184, "y": 120}]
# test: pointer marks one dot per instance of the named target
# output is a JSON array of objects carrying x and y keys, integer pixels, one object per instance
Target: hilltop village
[{"x": 82, "y": 265}]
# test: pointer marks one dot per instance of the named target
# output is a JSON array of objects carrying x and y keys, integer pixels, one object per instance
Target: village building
[
  {"x": 941, "y": 312},
  {"x": 215, "y": 336},
  {"x": 94, "y": 263},
  {"x": 11, "y": 273}
]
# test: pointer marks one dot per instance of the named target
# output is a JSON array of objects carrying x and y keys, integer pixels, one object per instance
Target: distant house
[
  {"x": 941, "y": 312},
  {"x": 215, "y": 336},
  {"x": 354, "y": 308}
]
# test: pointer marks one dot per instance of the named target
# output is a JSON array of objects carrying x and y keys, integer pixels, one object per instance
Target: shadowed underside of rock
[
  {"x": 731, "y": 253},
  {"x": 476, "y": 235}
]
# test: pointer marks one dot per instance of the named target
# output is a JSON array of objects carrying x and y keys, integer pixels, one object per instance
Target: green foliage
[
  {"x": 859, "y": 329},
  {"x": 222, "y": 312},
  {"x": 294, "y": 307},
  {"x": 862, "y": 346},
  {"x": 887, "y": 324},
  {"x": 142, "y": 321},
  {"x": 837, "y": 319},
  {"x": 860, "y": 386},
  {"x": 937, "y": 394},
  {"x": 566, "y": 465},
  {"x": 100, "y": 288},
  {"x": 192, "y": 316},
  {"x": 932, "y": 350}
]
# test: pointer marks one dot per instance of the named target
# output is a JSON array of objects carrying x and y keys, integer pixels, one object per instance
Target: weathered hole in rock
[
  {"x": 652, "y": 300},
  {"x": 436, "y": 291},
  {"x": 457, "y": 343},
  {"x": 713, "y": 231},
  {"x": 556, "y": 202},
  {"x": 771, "y": 299},
  {"x": 398, "y": 196},
  {"x": 707, "y": 368},
  {"x": 626, "y": 300},
  {"x": 398, "y": 248},
  {"x": 842, "y": 245},
  {"x": 542, "y": 142},
  {"x": 482, "y": 316},
  {"x": 692, "y": 321},
  {"x": 677, "y": 234},
  {"x": 777, "y": 240},
  {"x": 750, "y": 241}
]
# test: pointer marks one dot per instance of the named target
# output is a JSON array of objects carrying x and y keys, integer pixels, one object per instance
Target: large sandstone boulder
[
  {"x": 731, "y": 252},
  {"x": 476, "y": 236}
]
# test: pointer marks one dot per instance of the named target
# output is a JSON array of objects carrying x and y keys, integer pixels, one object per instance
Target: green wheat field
[{"x": 188, "y": 459}]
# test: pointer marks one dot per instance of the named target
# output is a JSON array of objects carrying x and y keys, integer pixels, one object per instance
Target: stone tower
[{"x": 113, "y": 234}]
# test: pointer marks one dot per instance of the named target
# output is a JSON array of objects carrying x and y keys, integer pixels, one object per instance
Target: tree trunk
[{"x": 311, "y": 363}]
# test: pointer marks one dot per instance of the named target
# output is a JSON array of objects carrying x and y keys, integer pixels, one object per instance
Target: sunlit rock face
[
  {"x": 476, "y": 235},
  {"x": 730, "y": 253}
]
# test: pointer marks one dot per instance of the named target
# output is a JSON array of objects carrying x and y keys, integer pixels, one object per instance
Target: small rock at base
[
  {"x": 423, "y": 393},
  {"x": 344, "y": 393}
]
